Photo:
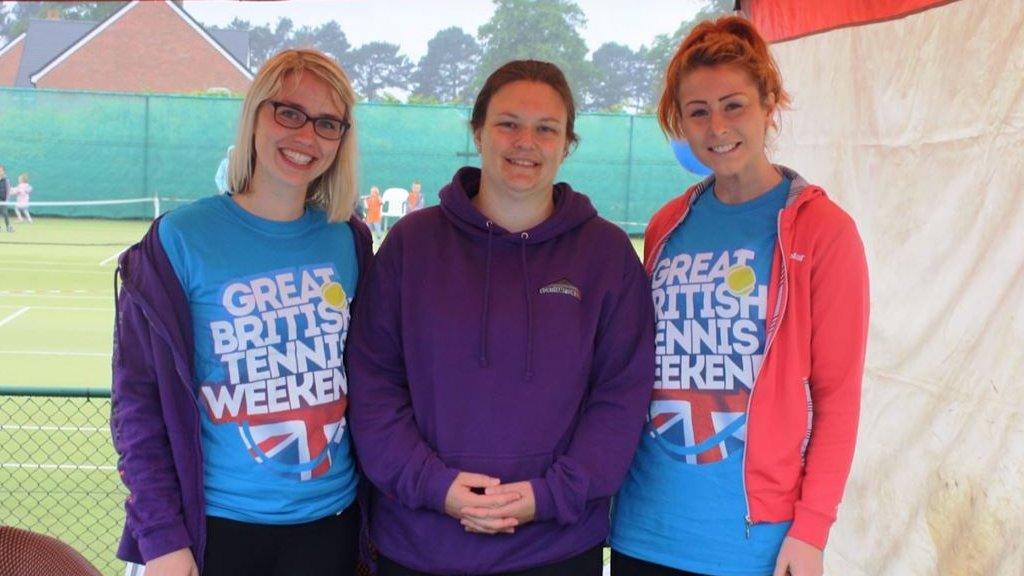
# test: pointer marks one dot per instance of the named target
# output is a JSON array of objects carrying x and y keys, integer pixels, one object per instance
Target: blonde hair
[{"x": 335, "y": 190}]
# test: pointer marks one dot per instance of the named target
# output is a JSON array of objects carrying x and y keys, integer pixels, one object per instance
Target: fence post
[
  {"x": 145, "y": 152},
  {"x": 629, "y": 172}
]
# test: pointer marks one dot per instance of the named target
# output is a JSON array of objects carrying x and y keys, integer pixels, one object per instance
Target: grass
[{"x": 57, "y": 472}]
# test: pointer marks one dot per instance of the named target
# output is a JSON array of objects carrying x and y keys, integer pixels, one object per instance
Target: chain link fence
[{"x": 58, "y": 472}]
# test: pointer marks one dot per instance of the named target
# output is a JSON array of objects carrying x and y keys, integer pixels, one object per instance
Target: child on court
[
  {"x": 22, "y": 192},
  {"x": 374, "y": 208}
]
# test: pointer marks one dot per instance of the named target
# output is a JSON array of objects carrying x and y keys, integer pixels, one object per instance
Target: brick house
[
  {"x": 146, "y": 46},
  {"x": 10, "y": 59}
]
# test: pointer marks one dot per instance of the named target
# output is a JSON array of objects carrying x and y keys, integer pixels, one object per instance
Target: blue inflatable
[{"x": 687, "y": 160}]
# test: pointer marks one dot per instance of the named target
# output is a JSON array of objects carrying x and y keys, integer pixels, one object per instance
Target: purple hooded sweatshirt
[
  {"x": 523, "y": 356},
  {"x": 154, "y": 419}
]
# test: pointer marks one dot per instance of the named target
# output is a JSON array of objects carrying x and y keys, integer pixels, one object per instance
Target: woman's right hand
[{"x": 177, "y": 563}]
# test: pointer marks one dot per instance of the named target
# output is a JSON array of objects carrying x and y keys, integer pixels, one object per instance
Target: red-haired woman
[{"x": 761, "y": 291}]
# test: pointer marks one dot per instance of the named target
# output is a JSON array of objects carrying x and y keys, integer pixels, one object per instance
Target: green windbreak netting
[{"x": 89, "y": 146}]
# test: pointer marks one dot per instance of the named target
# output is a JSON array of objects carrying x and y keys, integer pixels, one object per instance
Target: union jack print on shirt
[
  {"x": 699, "y": 427},
  {"x": 302, "y": 446}
]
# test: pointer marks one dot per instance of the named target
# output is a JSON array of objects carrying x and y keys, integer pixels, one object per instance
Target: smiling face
[
  {"x": 522, "y": 143},
  {"x": 289, "y": 159},
  {"x": 725, "y": 121}
]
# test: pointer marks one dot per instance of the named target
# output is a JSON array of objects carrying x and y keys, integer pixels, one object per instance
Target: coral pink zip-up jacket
[{"x": 805, "y": 404}]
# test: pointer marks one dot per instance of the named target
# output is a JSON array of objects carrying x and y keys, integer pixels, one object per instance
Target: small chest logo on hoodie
[{"x": 563, "y": 287}]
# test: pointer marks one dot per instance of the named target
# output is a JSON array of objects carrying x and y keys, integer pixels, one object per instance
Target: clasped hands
[{"x": 486, "y": 506}]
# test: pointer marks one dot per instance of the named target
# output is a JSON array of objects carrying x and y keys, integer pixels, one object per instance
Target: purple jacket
[
  {"x": 522, "y": 356},
  {"x": 154, "y": 417}
]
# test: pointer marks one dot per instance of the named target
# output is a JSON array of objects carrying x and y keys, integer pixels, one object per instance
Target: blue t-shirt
[
  {"x": 270, "y": 312},
  {"x": 683, "y": 503}
]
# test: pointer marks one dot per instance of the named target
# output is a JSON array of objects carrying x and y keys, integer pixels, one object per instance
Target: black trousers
[
  {"x": 623, "y": 565},
  {"x": 325, "y": 547},
  {"x": 589, "y": 563}
]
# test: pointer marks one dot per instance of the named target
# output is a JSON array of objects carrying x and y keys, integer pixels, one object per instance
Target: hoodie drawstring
[
  {"x": 526, "y": 298},
  {"x": 529, "y": 310},
  {"x": 117, "y": 316},
  {"x": 487, "y": 295}
]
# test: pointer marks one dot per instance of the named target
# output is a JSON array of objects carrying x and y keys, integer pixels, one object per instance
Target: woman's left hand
[
  {"x": 485, "y": 520},
  {"x": 798, "y": 558}
]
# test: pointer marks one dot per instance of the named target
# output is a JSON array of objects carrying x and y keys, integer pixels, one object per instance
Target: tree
[
  {"x": 537, "y": 29},
  {"x": 327, "y": 38},
  {"x": 644, "y": 91},
  {"x": 447, "y": 70},
  {"x": 14, "y": 16},
  {"x": 664, "y": 46},
  {"x": 376, "y": 66},
  {"x": 264, "y": 42},
  {"x": 614, "y": 69}
]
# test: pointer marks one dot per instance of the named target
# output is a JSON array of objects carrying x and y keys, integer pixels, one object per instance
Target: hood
[
  {"x": 148, "y": 278},
  {"x": 572, "y": 209}
]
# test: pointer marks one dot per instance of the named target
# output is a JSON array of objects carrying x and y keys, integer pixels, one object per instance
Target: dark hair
[
  {"x": 729, "y": 40},
  {"x": 530, "y": 71}
]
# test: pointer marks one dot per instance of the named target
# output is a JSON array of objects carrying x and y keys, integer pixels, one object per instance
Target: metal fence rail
[{"x": 58, "y": 470}]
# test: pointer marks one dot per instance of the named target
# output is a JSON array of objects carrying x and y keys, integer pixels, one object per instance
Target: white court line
[
  {"x": 34, "y": 428},
  {"x": 34, "y": 466},
  {"x": 49, "y": 263},
  {"x": 61, "y": 308},
  {"x": 53, "y": 270},
  {"x": 61, "y": 296},
  {"x": 13, "y": 316},
  {"x": 104, "y": 263},
  {"x": 49, "y": 353}
]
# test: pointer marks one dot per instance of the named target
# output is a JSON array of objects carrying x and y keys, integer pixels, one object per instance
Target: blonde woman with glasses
[{"x": 229, "y": 391}]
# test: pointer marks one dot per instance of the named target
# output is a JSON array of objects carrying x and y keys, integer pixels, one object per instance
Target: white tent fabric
[{"x": 916, "y": 127}]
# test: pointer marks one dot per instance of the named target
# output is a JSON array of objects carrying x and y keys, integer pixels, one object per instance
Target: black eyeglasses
[{"x": 325, "y": 127}]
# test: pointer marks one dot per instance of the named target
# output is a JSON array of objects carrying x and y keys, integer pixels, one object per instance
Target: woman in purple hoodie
[{"x": 503, "y": 368}]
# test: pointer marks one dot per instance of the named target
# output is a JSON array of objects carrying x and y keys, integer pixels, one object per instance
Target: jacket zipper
[
  {"x": 781, "y": 306},
  {"x": 664, "y": 238}
]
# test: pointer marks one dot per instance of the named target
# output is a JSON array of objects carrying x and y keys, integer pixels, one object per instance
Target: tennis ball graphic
[
  {"x": 334, "y": 295},
  {"x": 740, "y": 280}
]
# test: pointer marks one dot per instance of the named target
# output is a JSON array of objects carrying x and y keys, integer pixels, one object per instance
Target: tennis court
[
  {"x": 56, "y": 300},
  {"x": 57, "y": 467}
]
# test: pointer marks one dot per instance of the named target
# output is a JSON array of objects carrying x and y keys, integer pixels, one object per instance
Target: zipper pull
[{"x": 749, "y": 523}]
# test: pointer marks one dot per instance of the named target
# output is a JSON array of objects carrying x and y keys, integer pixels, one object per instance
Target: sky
[{"x": 412, "y": 23}]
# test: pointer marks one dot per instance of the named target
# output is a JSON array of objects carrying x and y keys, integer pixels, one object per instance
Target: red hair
[{"x": 731, "y": 41}]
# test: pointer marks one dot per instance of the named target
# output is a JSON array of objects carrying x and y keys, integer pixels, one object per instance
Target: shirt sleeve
[
  {"x": 155, "y": 515},
  {"x": 608, "y": 432},
  {"x": 394, "y": 455},
  {"x": 839, "y": 328}
]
